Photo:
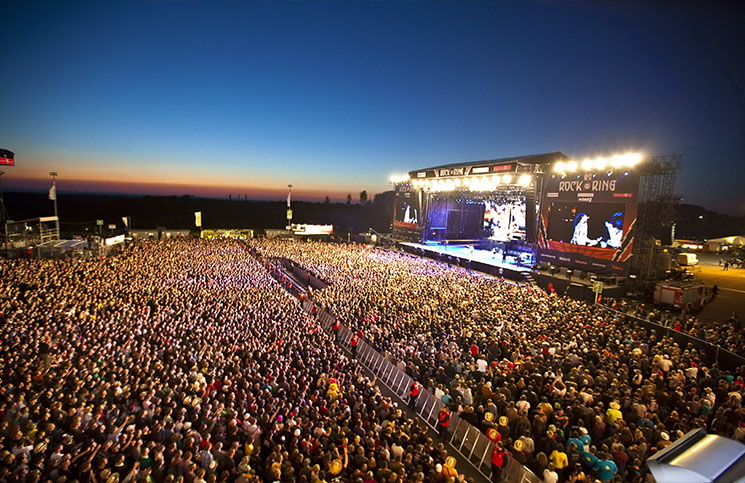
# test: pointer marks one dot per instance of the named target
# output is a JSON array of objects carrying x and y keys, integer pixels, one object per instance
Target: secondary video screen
[
  {"x": 587, "y": 224},
  {"x": 407, "y": 212},
  {"x": 504, "y": 221}
]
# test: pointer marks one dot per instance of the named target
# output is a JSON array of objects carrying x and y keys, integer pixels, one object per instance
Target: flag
[
  {"x": 125, "y": 219},
  {"x": 198, "y": 218},
  {"x": 288, "y": 200},
  {"x": 53, "y": 192},
  {"x": 347, "y": 263}
]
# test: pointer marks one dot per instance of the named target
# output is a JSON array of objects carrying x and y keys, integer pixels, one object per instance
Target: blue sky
[{"x": 234, "y": 97}]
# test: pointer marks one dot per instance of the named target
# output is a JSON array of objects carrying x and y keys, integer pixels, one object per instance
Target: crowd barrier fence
[
  {"x": 467, "y": 440},
  {"x": 714, "y": 353}
]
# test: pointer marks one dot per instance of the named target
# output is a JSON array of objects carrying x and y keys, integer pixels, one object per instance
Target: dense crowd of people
[
  {"x": 183, "y": 361},
  {"x": 575, "y": 392},
  {"x": 727, "y": 334}
]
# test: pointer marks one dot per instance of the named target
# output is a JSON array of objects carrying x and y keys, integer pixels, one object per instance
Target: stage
[{"x": 467, "y": 257}]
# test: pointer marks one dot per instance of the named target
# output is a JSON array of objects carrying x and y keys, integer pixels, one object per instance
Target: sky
[{"x": 219, "y": 98}]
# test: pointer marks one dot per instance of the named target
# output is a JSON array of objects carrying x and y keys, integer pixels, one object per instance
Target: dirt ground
[{"x": 731, "y": 297}]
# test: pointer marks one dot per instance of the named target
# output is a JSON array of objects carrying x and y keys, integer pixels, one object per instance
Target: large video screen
[
  {"x": 504, "y": 221},
  {"x": 407, "y": 211},
  {"x": 588, "y": 224}
]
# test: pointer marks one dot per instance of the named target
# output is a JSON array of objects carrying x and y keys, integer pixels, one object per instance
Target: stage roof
[{"x": 530, "y": 159}]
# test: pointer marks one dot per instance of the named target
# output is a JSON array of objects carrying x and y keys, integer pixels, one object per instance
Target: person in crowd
[
  {"x": 603, "y": 381},
  {"x": 184, "y": 360}
]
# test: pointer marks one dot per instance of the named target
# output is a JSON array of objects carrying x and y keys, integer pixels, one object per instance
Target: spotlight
[
  {"x": 572, "y": 166},
  {"x": 587, "y": 164},
  {"x": 560, "y": 167},
  {"x": 601, "y": 163},
  {"x": 633, "y": 158},
  {"x": 524, "y": 180},
  {"x": 507, "y": 178}
]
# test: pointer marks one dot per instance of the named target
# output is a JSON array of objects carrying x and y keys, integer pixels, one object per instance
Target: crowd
[
  {"x": 575, "y": 392},
  {"x": 727, "y": 334},
  {"x": 183, "y": 361}
]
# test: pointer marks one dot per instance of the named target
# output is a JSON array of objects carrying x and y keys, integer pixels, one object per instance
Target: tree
[
  {"x": 327, "y": 200},
  {"x": 349, "y": 198},
  {"x": 363, "y": 197}
]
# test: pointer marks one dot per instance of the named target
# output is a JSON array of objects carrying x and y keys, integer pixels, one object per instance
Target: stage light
[
  {"x": 572, "y": 166},
  {"x": 633, "y": 158},
  {"x": 601, "y": 163},
  {"x": 618, "y": 160},
  {"x": 587, "y": 164},
  {"x": 507, "y": 178},
  {"x": 560, "y": 167},
  {"x": 524, "y": 180},
  {"x": 458, "y": 182}
]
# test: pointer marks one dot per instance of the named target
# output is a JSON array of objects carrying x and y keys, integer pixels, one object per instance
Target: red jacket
[
  {"x": 415, "y": 388},
  {"x": 444, "y": 417},
  {"x": 497, "y": 457}
]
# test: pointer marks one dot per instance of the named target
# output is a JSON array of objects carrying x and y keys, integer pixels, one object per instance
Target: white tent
[{"x": 717, "y": 244}]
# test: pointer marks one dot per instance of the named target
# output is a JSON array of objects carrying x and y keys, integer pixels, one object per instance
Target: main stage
[{"x": 466, "y": 256}]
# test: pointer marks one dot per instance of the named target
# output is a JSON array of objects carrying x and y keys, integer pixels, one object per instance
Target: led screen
[
  {"x": 504, "y": 221},
  {"x": 588, "y": 224},
  {"x": 407, "y": 212}
]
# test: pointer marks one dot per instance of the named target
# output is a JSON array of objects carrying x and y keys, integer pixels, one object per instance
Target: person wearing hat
[
  {"x": 448, "y": 469},
  {"x": 560, "y": 461},
  {"x": 504, "y": 427},
  {"x": 606, "y": 468},
  {"x": 613, "y": 413},
  {"x": 488, "y": 422}
]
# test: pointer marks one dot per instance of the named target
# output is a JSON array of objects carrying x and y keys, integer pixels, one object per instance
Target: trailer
[{"x": 687, "y": 259}]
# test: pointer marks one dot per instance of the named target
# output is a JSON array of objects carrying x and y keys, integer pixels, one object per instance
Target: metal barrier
[
  {"x": 724, "y": 358},
  {"x": 470, "y": 443}
]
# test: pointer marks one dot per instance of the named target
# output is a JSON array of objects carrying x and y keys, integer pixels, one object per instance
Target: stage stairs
[{"x": 528, "y": 278}]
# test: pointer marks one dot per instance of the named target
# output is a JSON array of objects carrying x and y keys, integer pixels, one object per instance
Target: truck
[{"x": 691, "y": 296}]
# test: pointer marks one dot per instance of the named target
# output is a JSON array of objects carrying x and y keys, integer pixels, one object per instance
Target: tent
[{"x": 725, "y": 243}]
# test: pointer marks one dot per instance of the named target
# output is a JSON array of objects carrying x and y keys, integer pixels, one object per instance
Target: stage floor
[{"x": 485, "y": 257}]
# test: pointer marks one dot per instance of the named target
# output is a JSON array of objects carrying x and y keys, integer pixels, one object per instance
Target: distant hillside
[
  {"x": 80, "y": 211},
  {"x": 696, "y": 222}
]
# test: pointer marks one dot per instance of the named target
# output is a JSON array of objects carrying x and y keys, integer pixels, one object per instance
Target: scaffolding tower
[{"x": 654, "y": 220}]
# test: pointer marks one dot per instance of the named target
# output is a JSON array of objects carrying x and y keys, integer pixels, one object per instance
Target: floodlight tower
[
  {"x": 289, "y": 208},
  {"x": 53, "y": 197},
  {"x": 3, "y": 213}
]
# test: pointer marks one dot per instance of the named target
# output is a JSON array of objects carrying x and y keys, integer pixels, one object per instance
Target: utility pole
[
  {"x": 3, "y": 213},
  {"x": 289, "y": 208},
  {"x": 53, "y": 196}
]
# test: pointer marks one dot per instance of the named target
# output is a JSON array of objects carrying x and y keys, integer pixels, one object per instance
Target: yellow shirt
[
  {"x": 613, "y": 415},
  {"x": 559, "y": 459}
]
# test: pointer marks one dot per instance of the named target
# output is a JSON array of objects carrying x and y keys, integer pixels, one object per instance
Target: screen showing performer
[
  {"x": 407, "y": 212},
  {"x": 504, "y": 221},
  {"x": 587, "y": 224}
]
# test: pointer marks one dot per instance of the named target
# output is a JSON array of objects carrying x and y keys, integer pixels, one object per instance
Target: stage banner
[{"x": 587, "y": 221}]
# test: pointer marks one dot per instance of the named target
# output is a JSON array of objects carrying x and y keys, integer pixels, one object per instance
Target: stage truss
[{"x": 657, "y": 201}]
